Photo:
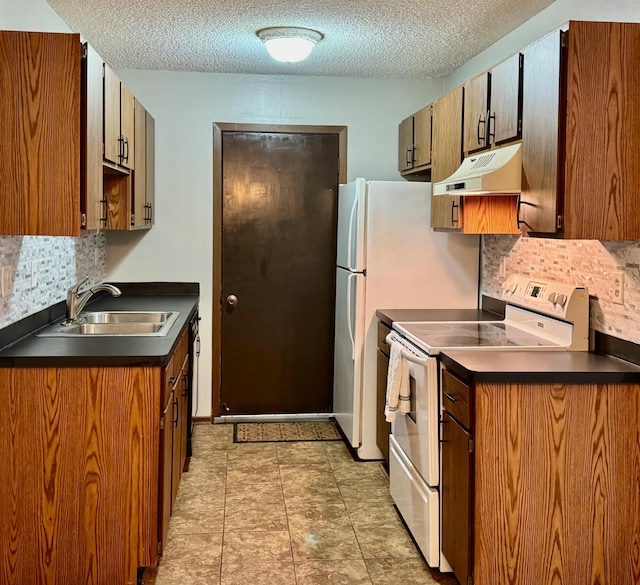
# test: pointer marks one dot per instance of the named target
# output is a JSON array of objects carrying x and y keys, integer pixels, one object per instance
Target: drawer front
[
  {"x": 383, "y": 331},
  {"x": 456, "y": 398}
]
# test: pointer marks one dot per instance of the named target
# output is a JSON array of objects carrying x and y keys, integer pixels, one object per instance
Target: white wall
[{"x": 185, "y": 106}]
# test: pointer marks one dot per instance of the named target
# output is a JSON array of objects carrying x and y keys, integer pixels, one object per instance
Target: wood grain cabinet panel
[
  {"x": 446, "y": 148},
  {"x": 144, "y": 174},
  {"x": 505, "y": 114},
  {"x": 40, "y": 133},
  {"x": 119, "y": 121},
  {"x": 552, "y": 484},
  {"x": 414, "y": 142},
  {"x": 476, "y": 110},
  {"x": 405, "y": 144},
  {"x": 581, "y": 161}
]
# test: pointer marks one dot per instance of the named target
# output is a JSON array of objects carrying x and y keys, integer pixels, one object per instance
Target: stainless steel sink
[{"x": 115, "y": 324}]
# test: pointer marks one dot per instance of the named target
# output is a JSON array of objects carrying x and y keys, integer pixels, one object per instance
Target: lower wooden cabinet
[
  {"x": 541, "y": 484},
  {"x": 383, "y": 428},
  {"x": 87, "y": 458}
]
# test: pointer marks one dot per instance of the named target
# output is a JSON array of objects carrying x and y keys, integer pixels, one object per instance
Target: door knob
[{"x": 232, "y": 300}]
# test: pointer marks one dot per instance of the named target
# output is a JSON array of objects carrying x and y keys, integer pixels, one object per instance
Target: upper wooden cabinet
[
  {"x": 414, "y": 142},
  {"x": 446, "y": 154},
  {"x": 144, "y": 173},
  {"x": 40, "y": 133},
  {"x": 493, "y": 106},
  {"x": 119, "y": 121},
  {"x": 580, "y": 140}
]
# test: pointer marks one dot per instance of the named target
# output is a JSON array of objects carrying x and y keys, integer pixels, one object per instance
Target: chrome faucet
[{"x": 76, "y": 300}]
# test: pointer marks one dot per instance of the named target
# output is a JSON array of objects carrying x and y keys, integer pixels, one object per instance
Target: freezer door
[
  {"x": 349, "y": 333},
  {"x": 351, "y": 226}
]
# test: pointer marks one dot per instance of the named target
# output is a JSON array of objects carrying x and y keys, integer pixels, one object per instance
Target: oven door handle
[{"x": 406, "y": 355}]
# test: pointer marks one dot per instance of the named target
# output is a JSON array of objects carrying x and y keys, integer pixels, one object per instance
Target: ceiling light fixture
[{"x": 289, "y": 44}]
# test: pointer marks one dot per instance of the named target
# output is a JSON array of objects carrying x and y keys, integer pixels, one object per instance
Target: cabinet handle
[
  {"x": 450, "y": 396},
  {"x": 409, "y": 158},
  {"x": 454, "y": 206},
  {"x": 175, "y": 412},
  {"x": 481, "y": 139},
  {"x": 125, "y": 157},
  {"x": 489, "y": 132}
]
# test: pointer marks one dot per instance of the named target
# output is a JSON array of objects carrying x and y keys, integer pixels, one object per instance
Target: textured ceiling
[{"x": 362, "y": 38}]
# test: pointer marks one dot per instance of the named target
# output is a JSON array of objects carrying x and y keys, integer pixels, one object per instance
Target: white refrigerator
[{"x": 388, "y": 257}]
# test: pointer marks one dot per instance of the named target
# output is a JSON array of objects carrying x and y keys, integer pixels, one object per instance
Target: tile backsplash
[
  {"x": 587, "y": 263},
  {"x": 44, "y": 267}
]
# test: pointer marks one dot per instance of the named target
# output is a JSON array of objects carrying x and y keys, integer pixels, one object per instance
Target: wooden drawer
[
  {"x": 456, "y": 398},
  {"x": 383, "y": 331}
]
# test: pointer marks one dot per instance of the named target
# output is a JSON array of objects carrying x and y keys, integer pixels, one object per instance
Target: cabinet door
[
  {"x": 127, "y": 126},
  {"x": 476, "y": 105},
  {"x": 541, "y": 134},
  {"x": 140, "y": 172},
  {"x": 91, "y": 198},
  {"x": 506, "y": 105},
  {"x": 150, "y": 167},
  {"x": 112, "y": 143},
  {"x": 177, "y": 434},
  {"x": 40, "y": 84},
  {"x": 455, "y": 492},
  {"x": 166, "y": 471},
  {"x": 405, "y": 144},
  {"x": 383, "y": 428},
  {"x": 446, "y": 156},
  {"x": 422, "y": 137}
]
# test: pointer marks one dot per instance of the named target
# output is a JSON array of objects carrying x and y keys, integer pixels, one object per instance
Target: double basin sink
[{"x": 115, "y": 323}]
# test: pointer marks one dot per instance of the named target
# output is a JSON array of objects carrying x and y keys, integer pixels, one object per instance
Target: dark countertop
[
  {"x": 389, "y": 316},
  {"x": 32, "y": 351},
  {"x": 521, "y": 367}
]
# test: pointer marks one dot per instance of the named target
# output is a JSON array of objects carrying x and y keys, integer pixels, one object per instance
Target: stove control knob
[
  {"x": 561, "y": 299},
  {"x": 553, "y": 298}
]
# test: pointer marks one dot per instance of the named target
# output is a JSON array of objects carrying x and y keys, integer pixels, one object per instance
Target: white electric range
[{"x": 539, "y": 315}]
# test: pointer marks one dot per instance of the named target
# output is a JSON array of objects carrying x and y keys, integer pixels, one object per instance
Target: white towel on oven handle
[{"x": 397, "y": 398}]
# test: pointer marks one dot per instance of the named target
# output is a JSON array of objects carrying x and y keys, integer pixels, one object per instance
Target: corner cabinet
[
  {"x": 414, "y": 142},
  {"x": 580, "y": 139}
]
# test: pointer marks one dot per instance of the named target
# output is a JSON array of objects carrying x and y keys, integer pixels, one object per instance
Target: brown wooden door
[
  {"x": 476, "y": 102},
  {"x": 422, "y": 137},
  {"x": 279, "y": 195},
  {"x": 506, "y": 104},
  {"x": 405, "y": 144}
]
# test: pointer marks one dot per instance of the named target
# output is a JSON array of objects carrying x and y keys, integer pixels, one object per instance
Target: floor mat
[{"x": 286, "y": 431}]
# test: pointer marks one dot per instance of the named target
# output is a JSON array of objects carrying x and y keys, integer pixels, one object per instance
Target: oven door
[{"x": 417, "y": 431}]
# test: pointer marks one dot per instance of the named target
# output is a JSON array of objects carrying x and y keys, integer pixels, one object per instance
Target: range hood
[{"x": 497, "y": 172}]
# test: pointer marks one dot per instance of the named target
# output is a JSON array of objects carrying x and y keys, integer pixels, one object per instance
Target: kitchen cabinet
[
  {"x": 91, "y": 464},
  {"x": 119, "y": 121},
  {"x": 130, "y": 195},
  {"x": 579, "y": 138},
  {"x": 144, "y": 174},
  {"x": 446, "y": 158},
  {"x": 493, "y": 106},
  {"x": 383, "y": 428},
  {"x": 457, "y": 465},
  {"x": 50, "y": 134},
  {"x": 414, "y": 142},
  {"x": 547, "y": 473}
]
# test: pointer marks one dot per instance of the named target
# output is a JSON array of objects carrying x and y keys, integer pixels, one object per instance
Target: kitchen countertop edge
[{"x": 28, "y": 350}]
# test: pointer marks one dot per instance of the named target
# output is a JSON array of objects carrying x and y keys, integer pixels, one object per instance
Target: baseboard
[
  {"x": 200, "y": 420},
  {"x": 239, "y": 418}
]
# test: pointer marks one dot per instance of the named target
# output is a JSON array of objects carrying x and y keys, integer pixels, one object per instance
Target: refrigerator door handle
[
  {"x": 349, "y": 291},
  {"x": 350, "y": 234}
]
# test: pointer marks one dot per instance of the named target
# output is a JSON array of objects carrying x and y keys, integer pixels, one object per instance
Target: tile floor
[{"x": 302, "y": 513}]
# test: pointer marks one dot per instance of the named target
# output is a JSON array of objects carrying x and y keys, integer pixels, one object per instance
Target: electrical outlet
[
  {"x": 6, "y": 281},
  {"x": 617, "y": 291}
]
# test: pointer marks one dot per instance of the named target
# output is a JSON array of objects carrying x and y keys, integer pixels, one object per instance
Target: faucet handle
[{"x": 76, "y": 287}]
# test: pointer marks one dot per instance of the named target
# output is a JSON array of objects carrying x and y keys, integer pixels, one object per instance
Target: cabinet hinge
[
  {"x": 470, "y": 580},
  {"x": 559, "y": 222},
  {"x": 470, "y": 445},
  {"x": 83, "y": 220},
  {"x": 159, "y": 547},
  {"x": 564, "y": 39},
  {"x": 84, "y": 50},
  {"x": 162, "y": 424},
  {"x": 133, "y": 219}
]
